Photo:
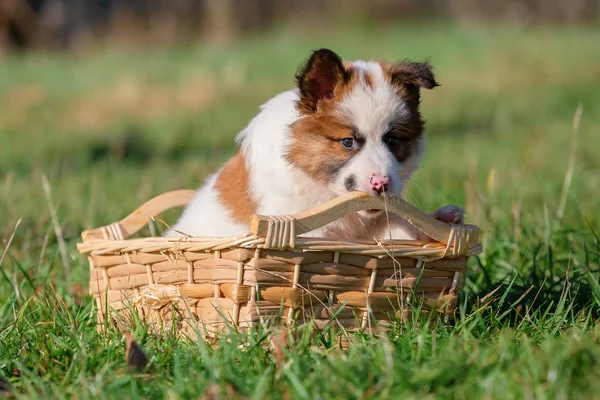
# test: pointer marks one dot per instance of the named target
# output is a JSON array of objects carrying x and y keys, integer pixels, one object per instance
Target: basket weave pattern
[{"x": 245, "y": 280}]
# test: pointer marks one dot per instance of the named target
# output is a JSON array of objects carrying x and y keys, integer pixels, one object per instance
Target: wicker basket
[{"x": 242, "y": 281}]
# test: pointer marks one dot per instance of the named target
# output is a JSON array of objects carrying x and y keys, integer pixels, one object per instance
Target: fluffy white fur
[{"x": 280, "y": 188}]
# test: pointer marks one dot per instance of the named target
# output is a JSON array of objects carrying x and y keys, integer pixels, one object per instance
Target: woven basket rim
[
  {"x": 287, "y": 232},
  {"x": 384, "y": 248}
]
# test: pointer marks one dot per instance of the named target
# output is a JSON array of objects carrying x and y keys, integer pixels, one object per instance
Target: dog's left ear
[
  {"x": 319, "y": 77},
  {"x": 415, "y": 74}
]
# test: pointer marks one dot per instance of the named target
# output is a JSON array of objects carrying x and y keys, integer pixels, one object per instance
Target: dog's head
[{"x": 360, "y": 128}]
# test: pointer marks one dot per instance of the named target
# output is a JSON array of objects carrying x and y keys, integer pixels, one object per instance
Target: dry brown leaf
[
  {"x": 279, "y": 343},
  {"x": 135, "y": 356},
  {"x": 5, "y": 387}
]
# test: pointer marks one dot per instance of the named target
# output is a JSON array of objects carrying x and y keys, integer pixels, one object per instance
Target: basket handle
[
  {"x": 281, "y": 230},
  {"x": 140, "y": 217}
]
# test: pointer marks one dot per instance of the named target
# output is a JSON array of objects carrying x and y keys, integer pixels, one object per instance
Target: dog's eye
[
  {"x": 349, "y": 143},
  {"x": 393, "y": 141}
]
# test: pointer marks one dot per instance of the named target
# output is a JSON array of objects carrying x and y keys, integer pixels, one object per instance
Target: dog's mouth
[{"x": 370, "y": 213}]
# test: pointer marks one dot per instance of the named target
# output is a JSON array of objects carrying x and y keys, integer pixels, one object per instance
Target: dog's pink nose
[{"x": 379, "y": 184}]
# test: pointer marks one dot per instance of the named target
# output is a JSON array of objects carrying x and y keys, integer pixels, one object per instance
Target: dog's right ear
[
  {"x": 416, "y": 74},
  {"x": 319, "y": 77}
]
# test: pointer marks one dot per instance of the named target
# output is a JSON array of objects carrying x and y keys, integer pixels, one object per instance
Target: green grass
[{"x": 114, "y": 128}]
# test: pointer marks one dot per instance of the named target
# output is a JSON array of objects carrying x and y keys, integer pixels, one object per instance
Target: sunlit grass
[{"x": 114, "y": 128}]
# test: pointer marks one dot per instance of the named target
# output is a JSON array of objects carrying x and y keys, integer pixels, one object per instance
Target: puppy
[{"x": 347, "y": 126}]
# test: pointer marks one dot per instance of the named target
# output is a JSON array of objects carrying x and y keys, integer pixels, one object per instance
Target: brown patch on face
[
  {"x": 233, "y": 187},
  {"x": 316, "y": 147}
]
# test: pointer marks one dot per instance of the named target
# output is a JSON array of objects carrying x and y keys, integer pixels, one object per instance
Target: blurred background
[
  {"x": 79, "y": 24},
  {"x": 112, "y": 102},
  {"x": 105, "y": 104}
]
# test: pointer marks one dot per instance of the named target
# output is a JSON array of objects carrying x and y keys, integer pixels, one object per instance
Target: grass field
[{"x": 111, "y": 129}]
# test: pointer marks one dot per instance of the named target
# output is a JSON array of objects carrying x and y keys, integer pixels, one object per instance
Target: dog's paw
[{"x": 450, "y": 213}]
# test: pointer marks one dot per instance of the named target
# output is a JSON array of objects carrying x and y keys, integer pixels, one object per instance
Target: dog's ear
[
  {"x": 319, "y": 77},
  {"x": 415, "y": 74}
]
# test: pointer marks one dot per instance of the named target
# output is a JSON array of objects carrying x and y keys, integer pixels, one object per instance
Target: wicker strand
[
  {"x": 455, "y": 280},
  {"x": 106, "y": 278},
  {"x": 112, "y": 232},
  {"x": 254, "y": 293},
  {"x": 281, "y": 232},
  {"x": 217, "y": 286},
  {"x": 190, "y": 272},
  {"x": 457, "y": 242},
  {"x": 236, "y": 305},
  {"x": 370, "y": 289},
  {"x": 149, "y": 274},
  {"x": 331, "y": 294},
  {"x": 295, "y": 284}
]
